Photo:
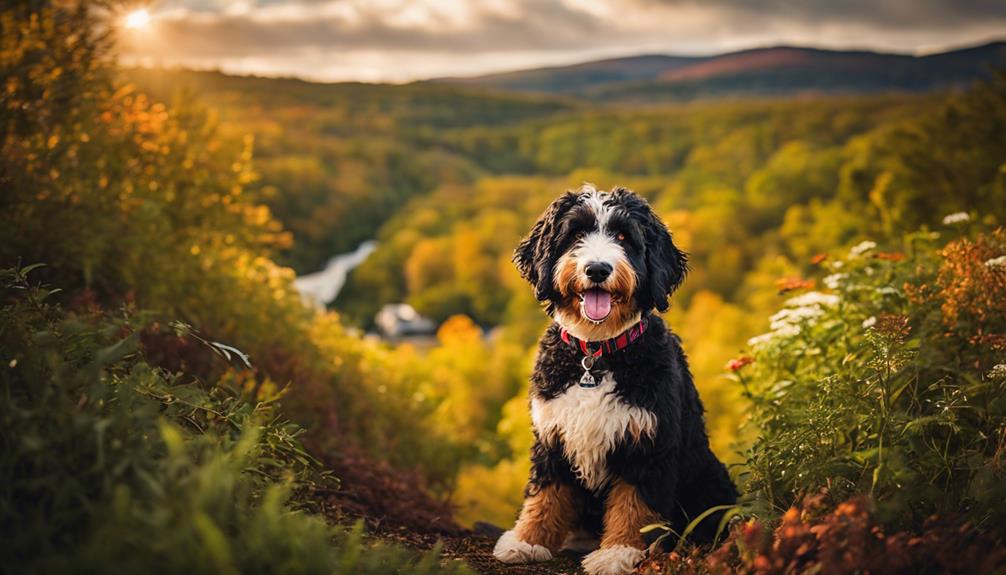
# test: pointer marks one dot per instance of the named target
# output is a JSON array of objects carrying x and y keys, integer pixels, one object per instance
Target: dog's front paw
[
  {"x": 615, "y": 560},
  {"x": 510, "y": 549}
]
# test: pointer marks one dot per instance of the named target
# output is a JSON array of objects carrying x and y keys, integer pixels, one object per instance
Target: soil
[{"x": 395, "y": 508}]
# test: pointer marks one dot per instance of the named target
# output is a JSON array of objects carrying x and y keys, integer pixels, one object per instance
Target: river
[{"x": 322, "y": 287}]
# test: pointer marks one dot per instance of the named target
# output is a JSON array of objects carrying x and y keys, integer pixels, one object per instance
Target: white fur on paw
[
  {"x": 615, "y": 560},
  {"x": 510, "y": 549}
]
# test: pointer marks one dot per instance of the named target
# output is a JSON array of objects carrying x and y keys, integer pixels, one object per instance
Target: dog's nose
[{"x": 598, "y": 271}]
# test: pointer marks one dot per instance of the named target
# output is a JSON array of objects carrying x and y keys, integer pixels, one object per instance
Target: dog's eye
[{"x": 620, "y": 237}]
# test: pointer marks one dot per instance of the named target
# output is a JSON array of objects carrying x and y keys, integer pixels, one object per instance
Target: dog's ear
[
  {"x": 535, "y": 256},
  {"x": 666, "y": 265}
]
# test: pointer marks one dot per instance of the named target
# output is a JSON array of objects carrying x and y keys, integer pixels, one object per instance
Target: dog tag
[{"x": 587, "y": 379}]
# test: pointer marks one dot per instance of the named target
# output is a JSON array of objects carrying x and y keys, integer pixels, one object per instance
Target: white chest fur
[{"x": 590, "y": 422}]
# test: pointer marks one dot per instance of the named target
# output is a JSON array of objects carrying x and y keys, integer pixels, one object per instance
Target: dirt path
[
  {"x": 395, "y": 508},
  {"x": 476, "y": 550}
]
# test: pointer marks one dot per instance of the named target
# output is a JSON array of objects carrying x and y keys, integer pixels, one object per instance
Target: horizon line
[{"x": 918, "y": 53}]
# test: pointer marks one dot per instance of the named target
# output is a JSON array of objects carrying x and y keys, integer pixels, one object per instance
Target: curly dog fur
[{"x": 631, "y": 449}]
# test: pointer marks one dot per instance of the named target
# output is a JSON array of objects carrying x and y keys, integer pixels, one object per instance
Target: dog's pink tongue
[{"x": 596, "y": 304}]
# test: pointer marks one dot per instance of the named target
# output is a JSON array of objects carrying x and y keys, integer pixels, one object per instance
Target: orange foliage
[
  {"x": 845, "y": 540},
  {"x": 890, "y": 256},
  {"x": 972, "y": 292},
  {"x": 792, "y": 284}
]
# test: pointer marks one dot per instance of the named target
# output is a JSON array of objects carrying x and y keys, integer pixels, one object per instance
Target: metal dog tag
[{"x": 587, "y": 379}]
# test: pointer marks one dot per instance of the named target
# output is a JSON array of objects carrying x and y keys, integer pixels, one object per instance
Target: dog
[{"x": 620, "y": 440}]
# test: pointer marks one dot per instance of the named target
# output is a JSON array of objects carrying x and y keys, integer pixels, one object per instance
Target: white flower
[
  {"x": 862, "y": 247},
  {"x": 787, "y": 330},
  {"x": 834, "y": 280},
  {"x": 956, "y": 218},
  {"x": 838, "y": 264},
  {"x": 787, "y": 317},
  {"x": 998, "y": 263},
  {"x": 760, "y": 340},
  {"x": 888, "y": 291},
  {"x": 870, "y": 322},
  {"x": 998, "y": 371},
  {"x": 813, "y": 298},
  {"x": 799, "y": 310}
]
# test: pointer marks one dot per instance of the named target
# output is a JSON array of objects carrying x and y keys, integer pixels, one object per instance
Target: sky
[{"x": 404, "y": 40}]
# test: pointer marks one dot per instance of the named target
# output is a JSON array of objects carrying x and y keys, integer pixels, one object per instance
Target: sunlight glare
[{"x": 139, "y": 18}]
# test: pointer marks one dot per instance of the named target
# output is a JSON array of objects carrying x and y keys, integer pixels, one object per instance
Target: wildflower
[
  {"x": 786, "y": 317},
  {"x": 862, "y": 247},
  {"x": 818, "y": 258},
  {"x": 760, "y": 340},
  {"x": 778, "y": 332},
  {"x": 888, "y": 291},
  {"x": 834, "y": 280},
  {"x": 998, "y": 371},
  {"x": 813, "y": 298},
  {"x": 739, "y": 362},
  {"x": 956, "y": 218},
  {"x": 890, "y": 256},
  {"x": 892, "y": 326},
  {"x": 790, "y": 284},
  {"x": 870, "y": 322},
  {"x": 998, "y": 263},
  {"x": 972, "y": 290},
  {"x": 787, "y": 331}
]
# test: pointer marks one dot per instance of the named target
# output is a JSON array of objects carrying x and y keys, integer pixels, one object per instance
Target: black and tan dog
[{"x": 620, "y": 440}]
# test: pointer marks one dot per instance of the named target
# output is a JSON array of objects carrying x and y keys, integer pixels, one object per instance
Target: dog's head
[{"x": 599, "y": 260}]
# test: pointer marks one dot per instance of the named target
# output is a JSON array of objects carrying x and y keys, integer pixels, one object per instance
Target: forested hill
[
  {"x": 337, "y": 160},
  {"x": 774, "y": 71}
]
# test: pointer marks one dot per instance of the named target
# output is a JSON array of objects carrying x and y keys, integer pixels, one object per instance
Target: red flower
[
  {"x": 739, "y": 363},
  {"x": 817, "y": 259}
]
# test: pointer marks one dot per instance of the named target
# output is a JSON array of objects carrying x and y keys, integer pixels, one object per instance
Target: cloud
[
  {"x": 407, "y": 39},
  {"x": 294, "y": 27}
]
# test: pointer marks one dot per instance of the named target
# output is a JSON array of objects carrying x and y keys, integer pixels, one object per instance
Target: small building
[{"x": 396, "y": 320}]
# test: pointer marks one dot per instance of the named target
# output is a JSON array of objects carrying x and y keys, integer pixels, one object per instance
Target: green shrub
[
  {"x": 892, "y": 383},
  {"x": 109, "y": 462}
]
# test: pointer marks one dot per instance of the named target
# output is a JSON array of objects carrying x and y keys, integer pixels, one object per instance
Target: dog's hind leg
[
  {"x": 545, "y": 519},
  {"x": 622, "y": 544},
  {"x": 710, "y": 488}
]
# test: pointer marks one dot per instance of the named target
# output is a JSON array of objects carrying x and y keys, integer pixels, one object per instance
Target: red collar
[{"x": 608, "y": 346}]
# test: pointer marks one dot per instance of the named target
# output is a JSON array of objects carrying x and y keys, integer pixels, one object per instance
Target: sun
[{"x": 139, "y": 18}]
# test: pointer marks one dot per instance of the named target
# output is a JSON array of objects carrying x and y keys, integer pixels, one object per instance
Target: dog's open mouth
[{"x": 596, "y": 304}]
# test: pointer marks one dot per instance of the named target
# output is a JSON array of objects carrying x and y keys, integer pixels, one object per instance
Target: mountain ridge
[{"x": 767, "y": 71}]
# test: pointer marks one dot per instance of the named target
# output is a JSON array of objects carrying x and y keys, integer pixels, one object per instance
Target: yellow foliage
[
  {"x": 712, "y": 332},
  {"x": 492, "y": 494},
  {"x": 458, "y": 330}
]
